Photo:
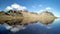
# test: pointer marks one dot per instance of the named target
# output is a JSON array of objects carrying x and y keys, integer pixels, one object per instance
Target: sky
[{"x": 32, "y": 5}]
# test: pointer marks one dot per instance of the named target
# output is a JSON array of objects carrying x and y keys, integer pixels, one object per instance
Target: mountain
[
  {"x": 47, "y": 17},
  {"x": 14, "y": 17}
]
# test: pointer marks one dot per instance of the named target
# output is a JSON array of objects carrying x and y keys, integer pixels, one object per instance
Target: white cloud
[
  {"x": 15, "y": 6},
  {"x": 41, "y": 7},
  {"x": 40, "y": 11},
  {"x": 8, "y": 8},
  {"x": 35, "y": 6},
  {"x": 48, "y": 8},
  {"x": 17, "y": 28}
]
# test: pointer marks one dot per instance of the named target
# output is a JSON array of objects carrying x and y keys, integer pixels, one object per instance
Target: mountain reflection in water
[
  {"x": 23, "y": 21},
  {"x": 36, "y": 28}
]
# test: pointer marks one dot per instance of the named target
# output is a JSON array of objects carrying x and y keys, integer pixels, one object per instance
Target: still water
[{"x": 35, "y": 28}]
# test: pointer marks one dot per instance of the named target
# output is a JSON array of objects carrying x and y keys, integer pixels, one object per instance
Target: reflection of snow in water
[
  {"x": 47, "y": 26},
  {"x": 13, "y": 28},
  {"x": 17, "y": 28}
]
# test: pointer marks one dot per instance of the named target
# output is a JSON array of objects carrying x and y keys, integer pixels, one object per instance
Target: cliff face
[{"x": 14, "y": 17}]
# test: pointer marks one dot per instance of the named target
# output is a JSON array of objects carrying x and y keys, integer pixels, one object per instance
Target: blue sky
[{"x": 32, "y": 5}]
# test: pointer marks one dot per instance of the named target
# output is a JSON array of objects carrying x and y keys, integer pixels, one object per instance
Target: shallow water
[{"x": 35, "y": 28}]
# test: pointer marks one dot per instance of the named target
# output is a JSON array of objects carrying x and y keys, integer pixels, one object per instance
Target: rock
[{"x": 46, "y": 17}]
